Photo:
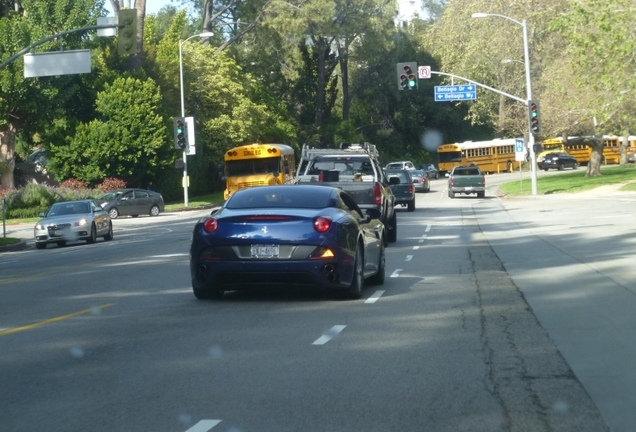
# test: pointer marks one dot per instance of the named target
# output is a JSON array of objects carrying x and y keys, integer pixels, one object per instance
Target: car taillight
[
  {"x": 377, "y": 193},
  {"x": 452, "y": 181},
  {"x": 410, "y": 188},
  {"x": 210, "y": 225},
  {"x": 322, "y": 224},
  {"x": 483, "y": 180}
]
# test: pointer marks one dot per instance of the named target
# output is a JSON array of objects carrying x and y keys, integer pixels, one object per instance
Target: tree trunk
[
  {"x": 596, "y": 158},
  {"x": 623, "y": 149},
  {"x": 7, "y": 156},
  {"x": 321, "y": 84},
  {"x": 137, "y": 60},
  {"x": 343, "y": 58}
]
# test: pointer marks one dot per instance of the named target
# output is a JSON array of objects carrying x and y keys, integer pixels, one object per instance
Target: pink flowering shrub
[
  {"x": 74, "y": 184},
  {"x": 111, "y": 184}
]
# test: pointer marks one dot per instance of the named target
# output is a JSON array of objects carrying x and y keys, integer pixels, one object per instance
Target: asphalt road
[{"x": 496, "y": 315}]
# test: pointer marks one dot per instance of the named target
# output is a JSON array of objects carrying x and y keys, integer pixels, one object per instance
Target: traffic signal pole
[{"x": 185, "y": 153}]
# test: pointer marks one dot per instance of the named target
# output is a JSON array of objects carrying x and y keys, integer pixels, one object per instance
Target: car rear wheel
[
  {"x": 113, "y": 213},
  {"x": 154, "y": 210},
  {"x": 451, "y": 194},
  {"x": 560, "y": 167},
  {"x": 393, "y": 229},
  {"x": 411, "y": 206},
  {"x": 481, "y": 194},
  {"x": 354, "y": 291},
  {"x": 378, "y": 278},
  {"x": 93, "y": 236},
  {"x": 575, "y": 166}
]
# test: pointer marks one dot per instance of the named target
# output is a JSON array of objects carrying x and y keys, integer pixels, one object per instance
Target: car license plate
[
  {"x": 469, "y": 188},
  {"x": 58, "y": 232},
  {"x": 264, "y": 251}
]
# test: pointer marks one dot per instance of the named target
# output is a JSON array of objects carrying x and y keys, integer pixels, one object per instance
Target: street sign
[
  {"x": 423, "y": 72},
  {"x": 520, "y": 150},
  {"x": 455, "y": 93}
]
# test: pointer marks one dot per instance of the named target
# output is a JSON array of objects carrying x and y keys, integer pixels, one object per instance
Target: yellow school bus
[
  {"x": 582, "y": 152},
  {"x": 494, "y": 156},
  {"x": 258, "y": 165}
]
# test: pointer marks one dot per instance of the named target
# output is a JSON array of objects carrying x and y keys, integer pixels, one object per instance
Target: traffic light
[
  {"x": 407, "y": 76},
  {"x": 180, "y": 133},
  {"x": 534, "y": 115},
  {"x": 127, "y": 35}
]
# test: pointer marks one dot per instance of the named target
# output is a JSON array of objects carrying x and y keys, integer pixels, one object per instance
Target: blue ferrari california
[{"x": 294, "y": 235}]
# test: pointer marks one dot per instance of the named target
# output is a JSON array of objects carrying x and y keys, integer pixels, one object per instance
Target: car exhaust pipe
[
  {"x": 331, "y": 277},
  {"x": 329, "y": 268}
]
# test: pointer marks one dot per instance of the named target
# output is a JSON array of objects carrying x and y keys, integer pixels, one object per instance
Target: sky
[{"x": 152, "y": 6}]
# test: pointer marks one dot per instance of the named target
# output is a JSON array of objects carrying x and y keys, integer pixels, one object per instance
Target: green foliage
[{"x": 125, "y": 144}]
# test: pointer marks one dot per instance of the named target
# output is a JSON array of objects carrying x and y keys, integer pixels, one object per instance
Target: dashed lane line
[
  {"x": 204, "y": 426},
  {"x": 333, "y": 332},
  {"x": 396, "y": 273},
  {"x": 375, "y": 297}
]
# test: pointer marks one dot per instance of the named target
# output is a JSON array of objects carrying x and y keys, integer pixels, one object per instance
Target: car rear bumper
[
  {"x": 468, "y": 189},
  {"x": 238, "y": 275}
]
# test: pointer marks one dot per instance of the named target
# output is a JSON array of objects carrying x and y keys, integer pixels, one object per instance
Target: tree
[
  {"x": 125, "y": 143},
  {"x": 36, "y": 101}
]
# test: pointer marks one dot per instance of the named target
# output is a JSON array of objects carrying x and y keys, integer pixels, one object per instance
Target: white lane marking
[
  {"x": 375, "y": 297},
  {"x": 396, "y": 273},
  {"x": 333, "y": 331},
  {"x": 204, "y": 426},
  {"x": 428, "y": 228},
  {"x": 416, "y": 247},
  {"x": 421, "y": 241},
  {"x": 409, "y": 257},
  {"x": 170, "y": 255}
]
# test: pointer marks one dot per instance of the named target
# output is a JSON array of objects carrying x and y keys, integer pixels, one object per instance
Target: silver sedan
[{"x": 72, "y": 221}]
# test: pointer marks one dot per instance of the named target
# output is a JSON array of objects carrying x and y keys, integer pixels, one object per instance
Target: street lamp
[
  {"x": 185, "y": 155},
  {"x": 526, "y": 56}
]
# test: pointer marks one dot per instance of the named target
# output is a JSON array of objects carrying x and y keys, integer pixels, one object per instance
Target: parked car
[
  {"x": 400, "y": 165},
  {"x": 558, "y": 161},
  {"x": 293, "y": 235},
  {"x": 631, "y": 158},
  {"x": 69, "y": 221},
  {"x": 132, "y": 202},
  {"x": 420, "y": 181},
  {"x": 401, "y": 184}
]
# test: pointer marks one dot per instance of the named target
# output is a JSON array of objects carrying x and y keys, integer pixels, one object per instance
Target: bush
[
  {"x": 74, "y": 184},
  {"x": 34, "y": 199},
  {"x": 111, "y": 184}
]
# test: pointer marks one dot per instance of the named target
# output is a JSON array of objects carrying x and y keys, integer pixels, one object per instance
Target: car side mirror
[{"x": 42, "y": 214}]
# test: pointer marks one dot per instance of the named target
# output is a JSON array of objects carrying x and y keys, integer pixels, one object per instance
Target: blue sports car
[{"x": 295, "y": 235}]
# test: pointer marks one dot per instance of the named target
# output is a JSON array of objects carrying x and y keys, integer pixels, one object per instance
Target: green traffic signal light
[
  {"x": 534, "y": 116},
  {"x": 407, "y": 78},
  {"x": 180, "y": 138}
]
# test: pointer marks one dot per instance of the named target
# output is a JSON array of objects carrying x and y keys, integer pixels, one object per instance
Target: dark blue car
[{"x": 293, "y": 235}]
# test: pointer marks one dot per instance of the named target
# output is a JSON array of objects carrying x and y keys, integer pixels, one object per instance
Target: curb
[{"x": 21, "y": 245}]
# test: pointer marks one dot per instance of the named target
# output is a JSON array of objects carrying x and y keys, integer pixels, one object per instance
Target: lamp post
[
  {"x": 185, "y": 154},
  {"x": 526, "y": 56}
]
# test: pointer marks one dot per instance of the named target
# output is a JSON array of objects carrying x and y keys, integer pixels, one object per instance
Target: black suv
[{"x": 558, "y": 161}]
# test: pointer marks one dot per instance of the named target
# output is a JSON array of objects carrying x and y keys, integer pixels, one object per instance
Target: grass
[
  {"x": 5, "y": 241},
  {"x": 573, "y": 182}
]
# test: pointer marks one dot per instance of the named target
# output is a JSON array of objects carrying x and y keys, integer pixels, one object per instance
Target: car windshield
[
  {"x": 61, "y": 209},
  {"x": 417, "y": 173},
  {"x": 285, "y": 197},
  {"x": 399, "y": 174},
  {"x": 347, "y": 166},
  {"x": 110, "y": 196}
]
